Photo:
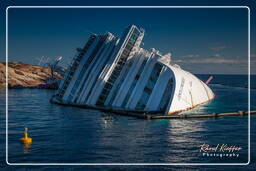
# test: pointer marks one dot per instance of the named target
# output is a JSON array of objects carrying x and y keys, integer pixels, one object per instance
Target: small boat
[{"x": 116, "y": 73}]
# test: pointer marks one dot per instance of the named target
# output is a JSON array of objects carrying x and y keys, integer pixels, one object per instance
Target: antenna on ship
[
  {"x": 54, "y": 64},
  {"x": 40, "y": 60},
  {"x": 89, "y": 31},
  {"x": 43, "y": 61},
  {"x": 47, "y": 62}
]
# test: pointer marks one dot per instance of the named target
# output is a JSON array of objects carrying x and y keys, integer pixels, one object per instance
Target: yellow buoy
[{"x": 26, "y": 140}]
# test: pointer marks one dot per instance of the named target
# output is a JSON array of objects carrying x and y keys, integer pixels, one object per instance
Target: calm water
[{"x": 67, "y": 134}]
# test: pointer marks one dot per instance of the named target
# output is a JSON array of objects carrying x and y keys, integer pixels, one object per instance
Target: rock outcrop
[{"x": 25, "y": 75}]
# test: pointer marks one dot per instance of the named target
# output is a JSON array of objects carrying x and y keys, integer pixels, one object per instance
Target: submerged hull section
[{"x": 116, "y": 73}]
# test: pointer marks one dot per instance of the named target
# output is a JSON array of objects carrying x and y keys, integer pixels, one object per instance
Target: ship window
[
  {"x": 147, "y": 90},
  {"x": 121, "y": 62},
  {"x": 97, "y": 53},
  {"x": 136, "y": 31},
  {"x": 166, "y": 95},
  {"x": 143, "y": 101},
  {"x": 134, "y": 83},
  {"x": 96, "y": 78},
  {"x": 132, "y": 41},
  {"x": 85, "y": 66},
  {"x": 137, "y": 77},
  {"x": 108, "y": 86},
  {"x": 149, "y": 87},
  {"x": 121, "y": 81},
  {"x": 128, "y": 47}
]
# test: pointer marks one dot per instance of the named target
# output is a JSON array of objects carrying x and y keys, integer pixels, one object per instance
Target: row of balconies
[{"x": 74, "y": 65}]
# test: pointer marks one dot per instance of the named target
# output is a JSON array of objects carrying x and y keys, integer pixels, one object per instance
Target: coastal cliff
[{"x": 25, "y": 75}]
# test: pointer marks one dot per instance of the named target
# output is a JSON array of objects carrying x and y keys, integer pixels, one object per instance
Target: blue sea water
[{"x": 63, "y": 134}]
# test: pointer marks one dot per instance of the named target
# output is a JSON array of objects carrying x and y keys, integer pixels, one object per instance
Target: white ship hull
[
  {"x": 116, "y": 73},
  {"x": 189, "y": 91}
]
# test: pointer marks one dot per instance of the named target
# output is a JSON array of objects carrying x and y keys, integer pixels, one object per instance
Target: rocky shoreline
[{"x": 21, "y": 75}]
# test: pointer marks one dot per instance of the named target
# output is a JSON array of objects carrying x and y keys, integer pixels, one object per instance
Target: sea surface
[{"x": 63, "y": 134}]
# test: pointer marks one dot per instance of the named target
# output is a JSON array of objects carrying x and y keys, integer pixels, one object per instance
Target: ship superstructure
[{"x": 117, "y": 73}]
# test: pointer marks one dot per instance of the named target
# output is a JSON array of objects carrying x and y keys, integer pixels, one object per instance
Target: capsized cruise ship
[{"x": 116, "y": 73}]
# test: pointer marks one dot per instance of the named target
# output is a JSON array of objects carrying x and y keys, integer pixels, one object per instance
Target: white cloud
[
  {"x": 217, "y": 61},
  {"x": 218, "y": 48},
  {"x": 211, "y": 60},
  {"x": 178, "y": 61},
  {"x": 216, "y": 55},
  {"x": 190, "y": 56}
]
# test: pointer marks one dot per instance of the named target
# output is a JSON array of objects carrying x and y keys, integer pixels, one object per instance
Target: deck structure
[{"x": 116, "y": 73}]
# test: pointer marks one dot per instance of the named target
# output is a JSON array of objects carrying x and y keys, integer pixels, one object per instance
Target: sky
[{"x": 210, "y": 40}]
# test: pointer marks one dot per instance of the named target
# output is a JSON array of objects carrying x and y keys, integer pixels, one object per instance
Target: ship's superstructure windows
[
  {"x": 132, "y": 37},
  {"x": 166, "y": 96},
  {"x": 149, "y": 87},
  {"x": 98, "y": 74},
  {"x": 73, "y": 67},
  {"x": 98, "y": 51},
  {"x": 118, "y": 86},
  {"x": 86, "y": 65},
  {"x": 137, "y": 76}
]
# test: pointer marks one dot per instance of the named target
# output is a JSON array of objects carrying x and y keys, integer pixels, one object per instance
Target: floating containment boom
[{"x": 116, "y": 73}]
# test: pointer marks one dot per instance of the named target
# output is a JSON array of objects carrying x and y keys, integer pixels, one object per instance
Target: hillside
[{"x": 24, "y": 75}]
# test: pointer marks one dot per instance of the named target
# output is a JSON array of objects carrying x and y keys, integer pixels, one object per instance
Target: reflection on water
[
  {"x": 184, "y": 135},
  {"x": 107, "y": 120},
  {"x": 69, "y": 134},
  {"x": 180, "y": 131},
  {"x": 26, "y": 148}
]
